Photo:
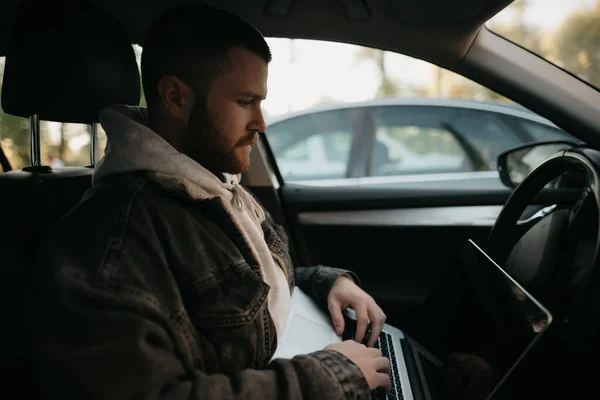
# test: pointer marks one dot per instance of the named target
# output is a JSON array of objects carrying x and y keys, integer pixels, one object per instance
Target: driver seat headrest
[{"x": 66, "y": 61}]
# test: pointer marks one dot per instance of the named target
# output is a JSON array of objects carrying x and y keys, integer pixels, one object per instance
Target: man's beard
[{"x": 206, "y": 144}]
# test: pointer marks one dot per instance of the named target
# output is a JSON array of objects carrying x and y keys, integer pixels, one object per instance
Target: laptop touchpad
[{"x": 308, "y": 334}]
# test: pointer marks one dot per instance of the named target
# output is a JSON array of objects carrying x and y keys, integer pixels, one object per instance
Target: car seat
[{"x": 66, "y": 60}]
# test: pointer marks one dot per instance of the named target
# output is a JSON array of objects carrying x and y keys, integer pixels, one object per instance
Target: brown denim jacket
[{"x": 142, "y": 294}]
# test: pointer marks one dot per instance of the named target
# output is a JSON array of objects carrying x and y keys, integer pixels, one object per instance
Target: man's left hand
[{"x": 345, "y": 293}]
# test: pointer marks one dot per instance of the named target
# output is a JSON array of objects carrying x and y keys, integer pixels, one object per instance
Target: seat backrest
[{"x": 66, "y": 60}]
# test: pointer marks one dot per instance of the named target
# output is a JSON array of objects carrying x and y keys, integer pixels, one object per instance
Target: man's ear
[{"x": 176, "y": 97}]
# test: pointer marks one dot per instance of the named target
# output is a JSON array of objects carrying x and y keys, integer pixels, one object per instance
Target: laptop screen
[{"x": 512, "y": 318}]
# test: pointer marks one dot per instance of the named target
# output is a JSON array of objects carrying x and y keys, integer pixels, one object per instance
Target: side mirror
[{"x": 515, "y": 164}]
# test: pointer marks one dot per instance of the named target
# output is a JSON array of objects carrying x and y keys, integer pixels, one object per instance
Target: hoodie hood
[{"x": 132, "y": 146}]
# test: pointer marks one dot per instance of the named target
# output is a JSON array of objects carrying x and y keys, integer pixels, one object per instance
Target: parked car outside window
[{"x": 404, "y": 138}]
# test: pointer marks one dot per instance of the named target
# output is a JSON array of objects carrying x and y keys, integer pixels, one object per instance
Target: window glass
[
  {"x": 563, "y": 32},
  {"x": 404, "y": 146},
  {"x": 315, "y": 146},
  {"x": 542, "y": 132},
  {"x": 442, "y": 122},
  {"x": 489, "y": 133}
]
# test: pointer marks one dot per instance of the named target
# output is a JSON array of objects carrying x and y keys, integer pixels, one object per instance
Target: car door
[
  {"x": 319, "y": 145},
  {"x": 400, "y": 236},
  {"x": 494, "y": 130},
  {"x": 420, "y": 140},
  {"x": 401, "y": 231},
  {"x": 401, "y": 242}
]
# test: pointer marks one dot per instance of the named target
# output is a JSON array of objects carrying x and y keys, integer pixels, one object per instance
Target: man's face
[{"x": 222, "y": 129}]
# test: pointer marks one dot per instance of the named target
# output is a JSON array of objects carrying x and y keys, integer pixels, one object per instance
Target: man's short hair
[{"x": 191, "y": 42}]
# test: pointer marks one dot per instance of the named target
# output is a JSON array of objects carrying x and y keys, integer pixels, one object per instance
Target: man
[{"x": 184, "y": 286}]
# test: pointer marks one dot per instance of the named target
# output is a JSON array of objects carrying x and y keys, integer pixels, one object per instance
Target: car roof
[
  {"x": 514, "y": 110},
  {"x": 439, "y": 31}
]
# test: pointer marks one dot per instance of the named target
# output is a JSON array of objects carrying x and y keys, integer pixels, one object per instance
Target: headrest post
[
  {"x": 34, "y": 141},
  {"x": 93, "y": 144}
]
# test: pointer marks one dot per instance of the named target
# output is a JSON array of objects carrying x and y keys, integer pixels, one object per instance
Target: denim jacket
[{"x": 141, "y": 293}]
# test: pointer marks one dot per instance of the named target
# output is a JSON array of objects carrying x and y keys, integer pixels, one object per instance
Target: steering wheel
[{"x": 555, "y": 258}]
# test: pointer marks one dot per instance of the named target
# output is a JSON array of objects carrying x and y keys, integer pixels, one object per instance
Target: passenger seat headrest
[{"x": 66, "y": 61}]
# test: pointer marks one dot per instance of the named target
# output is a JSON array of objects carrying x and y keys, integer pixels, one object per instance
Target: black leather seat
[{"x": 65, "y": 62}]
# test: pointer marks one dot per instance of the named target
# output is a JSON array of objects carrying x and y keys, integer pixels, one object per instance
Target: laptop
[{"x": 416, "y": 373}]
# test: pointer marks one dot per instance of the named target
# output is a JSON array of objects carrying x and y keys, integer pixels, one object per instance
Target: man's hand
[
  {"x": 374, "y": 366},
  {"x": 345, "y": 293}
]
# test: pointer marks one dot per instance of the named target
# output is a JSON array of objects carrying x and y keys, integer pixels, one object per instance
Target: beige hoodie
[{"x": 132, "y": 146}]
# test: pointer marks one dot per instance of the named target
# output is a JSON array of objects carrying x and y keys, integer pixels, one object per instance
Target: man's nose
[{"x": 258, "y": 122}]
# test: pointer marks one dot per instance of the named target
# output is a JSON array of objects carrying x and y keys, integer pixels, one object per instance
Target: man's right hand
[{"x": 374, "y": 366}]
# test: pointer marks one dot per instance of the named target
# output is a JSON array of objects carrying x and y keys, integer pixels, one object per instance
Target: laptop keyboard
[{"x": 384, "y": 343}]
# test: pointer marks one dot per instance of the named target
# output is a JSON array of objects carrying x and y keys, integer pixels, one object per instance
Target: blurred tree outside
[
  {"x": 574, "y": 45},
  {"x": 577, "y": 44},
  {"x": 388, "y": 87},
  {"x": 445, "y": 83},
  {"x": 521, "y": 32}
]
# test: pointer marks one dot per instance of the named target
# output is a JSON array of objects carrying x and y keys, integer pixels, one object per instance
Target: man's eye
[{"x": 244, "y": 103}]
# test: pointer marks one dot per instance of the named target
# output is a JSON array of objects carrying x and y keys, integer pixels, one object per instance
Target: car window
[
  {"x": 542, "y": 132},
  {"x": 489, "y": 133},
  {"x": 61, "y": 144},
  {"x": 426, "y": 120},
  {"x": 413, "y": 140},
  {"x": 315, "y": 146}
]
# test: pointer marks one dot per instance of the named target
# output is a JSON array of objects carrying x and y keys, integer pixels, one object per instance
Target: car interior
[{"x": 402, "y": 243}]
